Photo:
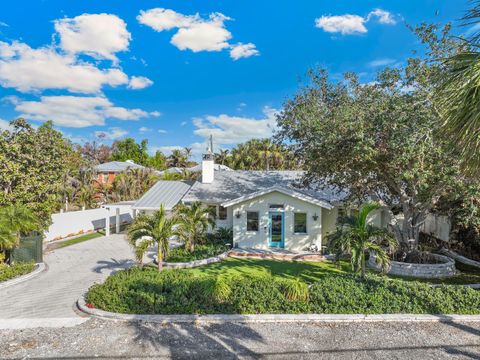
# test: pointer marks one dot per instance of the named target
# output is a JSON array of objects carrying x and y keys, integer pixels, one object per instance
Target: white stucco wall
[
  {"x": 70, "y": 223},
  {"x": 259, "y": 239}
]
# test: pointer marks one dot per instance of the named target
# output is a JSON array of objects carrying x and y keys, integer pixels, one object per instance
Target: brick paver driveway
[{"x": 71, "y": 271}]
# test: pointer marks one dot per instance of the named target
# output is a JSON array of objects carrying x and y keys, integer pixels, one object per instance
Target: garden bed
[
  {"x": 11, "y": 272},
  {"x": 201, "y": 252},
  {"x": 247, "y": 286}
]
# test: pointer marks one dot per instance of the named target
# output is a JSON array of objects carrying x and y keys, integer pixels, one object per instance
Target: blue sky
[{"x": 174, "y": 72}]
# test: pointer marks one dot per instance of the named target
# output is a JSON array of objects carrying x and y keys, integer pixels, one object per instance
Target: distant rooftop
[{"x": 117, "y": 166}]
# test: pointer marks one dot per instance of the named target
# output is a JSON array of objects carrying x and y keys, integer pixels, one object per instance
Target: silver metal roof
[
  {"x": 168, "y": 193},
  {"x": 117, "y": 166},
  {"x": 229, "y": 185}
]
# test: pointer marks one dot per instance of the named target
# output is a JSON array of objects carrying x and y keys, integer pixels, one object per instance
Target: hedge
[
  {"x": 9, "y": 272},
  {"x": 146, "y": 291},
  {"x": 201, "y": 252}
]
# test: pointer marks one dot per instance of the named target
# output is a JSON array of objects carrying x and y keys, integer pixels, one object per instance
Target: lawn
[
  {"x": 75, "y": 240},
  {"x": 308, "y": 272}
]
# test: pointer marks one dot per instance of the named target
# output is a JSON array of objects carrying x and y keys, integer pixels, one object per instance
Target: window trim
[
  {"x": 306, "y": 223},
  {"x": 258, "y": 221}
]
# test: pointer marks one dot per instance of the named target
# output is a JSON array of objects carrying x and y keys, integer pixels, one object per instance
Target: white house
[{"x": 265, "y": 209}]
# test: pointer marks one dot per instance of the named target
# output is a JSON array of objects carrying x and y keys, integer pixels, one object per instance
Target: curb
[
  {"x": 275, "y": 318},
  {"x": 40, "y": 267}
]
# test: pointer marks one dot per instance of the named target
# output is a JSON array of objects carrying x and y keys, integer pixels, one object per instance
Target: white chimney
[{"x": 208, "y": 164}]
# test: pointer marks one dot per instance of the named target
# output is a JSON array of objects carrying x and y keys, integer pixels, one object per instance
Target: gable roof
[
  {"x": 287, "y": 191},
  {"x": 231, "y": 185},
  {"x": 168, "y": 193},
  {"x": 117, "y": 166}
]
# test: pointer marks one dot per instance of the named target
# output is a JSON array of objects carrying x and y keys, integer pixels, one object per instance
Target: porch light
[
  {"x": 315, "y": 217},
  {"x": 238, "y": 214}
]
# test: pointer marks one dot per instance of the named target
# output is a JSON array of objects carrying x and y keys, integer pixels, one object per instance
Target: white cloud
[
  {"x": 381, "y": 62},
  {"x": 114, "y": 133},
  {"x": 384, "y": 17},
  {"x": 4, "y": 125},
  {"x": 27, "y": 69},
  {"x": 139, "y": 82},
  {"x": 144, "y": 129},
  {"x": 350, "y": 24},
  {"x": 98, "y": 35},
  {"x": 345, "y": 24},
  {"x": 194, "y": 32},
  {"x": 165, "y": 149},
  {"x": 243, "y": 51},
  {"x": 161, "y": 131},
  {"x": 77, "y": 112},
  {"x": 228, "y": 130}
]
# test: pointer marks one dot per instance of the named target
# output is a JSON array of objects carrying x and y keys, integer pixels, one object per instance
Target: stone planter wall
[
  {"x": 196, "y": 263},
  {"x": 427, "y": 271}
]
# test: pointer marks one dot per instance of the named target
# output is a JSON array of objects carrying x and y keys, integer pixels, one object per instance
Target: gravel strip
[{"x": 143, "y": 340}]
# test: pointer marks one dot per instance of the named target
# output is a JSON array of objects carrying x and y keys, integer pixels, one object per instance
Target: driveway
[{"x": 49, "y": 298}]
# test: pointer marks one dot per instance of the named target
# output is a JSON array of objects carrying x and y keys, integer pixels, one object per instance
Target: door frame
[{"x": 281, "y": 244}]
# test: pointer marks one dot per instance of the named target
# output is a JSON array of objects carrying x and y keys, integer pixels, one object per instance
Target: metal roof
[
  {"x": 117, "y": 166},
  {"x": 230, "y": 185},
  {"x": 168, "y": 193},
  {"x": 216, "y": 167}
]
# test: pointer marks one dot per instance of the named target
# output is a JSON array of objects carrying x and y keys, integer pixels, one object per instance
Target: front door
[{"x": 276, "y": 234}]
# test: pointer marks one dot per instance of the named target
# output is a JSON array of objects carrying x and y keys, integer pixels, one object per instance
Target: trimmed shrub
[
  {"x": 201, "y": 252},
  {"x": 293, "y": 289},
  {"x": 8, "y": 272}
]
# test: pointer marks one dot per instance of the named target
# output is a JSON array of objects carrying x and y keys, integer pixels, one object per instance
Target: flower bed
[
  {"x": 444, "y": 267},
  {"x": 147, "y": 291},
  {"x": 9, "y": 272}
]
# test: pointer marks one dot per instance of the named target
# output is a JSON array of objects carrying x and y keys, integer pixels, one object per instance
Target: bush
[
  {"x": 201, "y": 252},
  {"x": 147, "y": 291},
  {"x": 9, "y": 272}
]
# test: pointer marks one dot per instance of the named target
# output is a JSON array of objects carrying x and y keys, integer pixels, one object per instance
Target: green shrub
[
  {"x": 9, "y": 272},
  {"x": 147, "y": 291},
  {"x": 201, "y": 252}
]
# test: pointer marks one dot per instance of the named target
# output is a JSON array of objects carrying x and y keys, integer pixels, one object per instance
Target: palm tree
[
  {"x": 356, "y": 236},
  {"x": 193, "y": 223},
  {"x": 177, "y": 159},
  {"x": 86, "y": 197},
  {"x": 15, "y": 221},
  {"x": 150, "y": 230},
  {"x": 188, "y": 152},
  {"x": 221, "y": 156},
  {"x": 458, "y": 94}
]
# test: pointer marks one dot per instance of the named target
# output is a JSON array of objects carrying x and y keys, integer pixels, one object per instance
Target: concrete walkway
[{"x": 49, "y": 298}]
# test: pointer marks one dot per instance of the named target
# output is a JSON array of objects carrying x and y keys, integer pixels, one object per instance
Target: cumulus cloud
[
  {"x": 144, "y": 129},
  {"x": 77, "y": 111},
  {"x": 162, "y": 131},
  {"x": 240, "y": 50},
  {"x": 139, "y": 82},
  {"x": 4, "y": 125},
  {"x": 98, "y": 35},
  {"x": 114, "y": 133},
  {"x": 381, "y": 62},
  {"x": 27, "y": 69},
  {"x": 350, "y": 24},
  {"x": 229, "y": 130},
  {"x": 194, "y": 32}
]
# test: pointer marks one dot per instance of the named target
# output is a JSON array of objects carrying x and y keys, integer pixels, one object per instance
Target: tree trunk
[
  {"x": 407, "y": 231},
  {"x": 363, "y": 265},
  {"x": 192, "y": 246},
  {"x": 159, "y": 259}
]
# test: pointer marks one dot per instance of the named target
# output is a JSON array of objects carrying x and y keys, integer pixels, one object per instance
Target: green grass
[
  {"x": 77, "y": 240},
  {"x": 305, "y": 271},
  {"x": 10, "y": 272}
]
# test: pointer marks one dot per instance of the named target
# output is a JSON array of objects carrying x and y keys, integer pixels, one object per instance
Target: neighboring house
[
  {"x": 265, "y": 209},
  {"x": 107, "y": 172}
]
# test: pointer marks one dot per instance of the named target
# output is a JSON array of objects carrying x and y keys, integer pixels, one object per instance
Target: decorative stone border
[
  {"x": 39, "y": 267},
  {"x": 196, "y": 263},
  {"x": 460, "y": 258},
  {"x": 425, "y": 271},
  {"x": 276, "y": 318}
]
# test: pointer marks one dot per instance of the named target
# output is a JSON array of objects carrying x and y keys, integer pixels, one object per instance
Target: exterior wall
[
  {"x": 259, "y": 239},
  {"x": 74, "y": 222},
  {"x": 228, "y": 222},
  {"x": 438, "y": 226},
  {"x": 329, "y": 222}
]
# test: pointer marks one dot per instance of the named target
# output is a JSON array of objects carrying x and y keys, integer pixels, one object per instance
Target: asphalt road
[{"x": 106, "y": 339}]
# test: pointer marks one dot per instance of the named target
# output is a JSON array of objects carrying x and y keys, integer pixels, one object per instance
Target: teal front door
[{"x": 276, "y": 237}]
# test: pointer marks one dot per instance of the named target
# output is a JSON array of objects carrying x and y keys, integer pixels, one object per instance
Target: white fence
[
  {"x": 75, "y": 222},
  {"x": 438, "y": 226}
]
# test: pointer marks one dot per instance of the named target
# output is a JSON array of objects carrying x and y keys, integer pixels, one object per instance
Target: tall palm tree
[
  {"x": 177, "y": 159},
  {"x": 188, "y": 153},
  {"x": 15, "y": 221},
  {"x": 86, "y": 197},
  {"x": 356, "y": 236},
  {"x": 150, "y": 230},
  {"x": 221, "y": 156},
  {"x": 193, "y": 223},
  {"x": 457, "y": 97}
]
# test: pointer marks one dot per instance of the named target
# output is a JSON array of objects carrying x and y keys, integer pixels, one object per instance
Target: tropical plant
[
  {"x": 193, "y": 223},
  {"x": 15, "y": 221},
  {"x": 150, "y": 230},
  {"x": 222, "y": 156},
  {"x": 356, "y": 236},
  {"x": 85, "y": 197},
  {"x": 458, "y": 93},
  {"x": 177, "y": 159},
  {"x": 132, "y": 184}
]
